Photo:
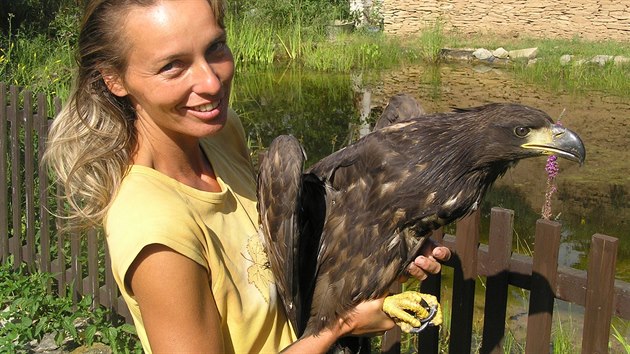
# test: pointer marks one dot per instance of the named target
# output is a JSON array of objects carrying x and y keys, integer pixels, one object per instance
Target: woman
[{"x": 148, "y": 147}]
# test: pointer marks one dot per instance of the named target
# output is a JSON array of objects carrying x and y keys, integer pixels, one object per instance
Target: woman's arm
[
  {"x": 176, "y": 302},
  {"x": 366, "y": 318}
]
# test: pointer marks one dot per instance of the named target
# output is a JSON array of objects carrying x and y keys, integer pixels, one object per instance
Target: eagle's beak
[{"x": 558, "y": 141}]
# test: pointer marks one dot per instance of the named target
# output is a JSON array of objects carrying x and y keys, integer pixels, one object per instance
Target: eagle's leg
[{"x": 413, "y": 311}]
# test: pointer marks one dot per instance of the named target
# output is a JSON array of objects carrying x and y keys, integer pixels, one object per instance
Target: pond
[{"x": 323, "y": 111}]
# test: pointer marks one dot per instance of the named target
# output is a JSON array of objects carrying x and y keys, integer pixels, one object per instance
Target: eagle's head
[
  {"x": 455, "y": 157},
  {"x": 506, "y": 133}
]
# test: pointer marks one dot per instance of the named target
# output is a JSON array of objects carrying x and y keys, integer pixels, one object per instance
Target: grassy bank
[
  {"x": 44, "y": 64},
  {"x": 549, "y": 71}
]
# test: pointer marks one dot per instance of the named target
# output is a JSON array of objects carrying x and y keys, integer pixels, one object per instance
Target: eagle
[{"x": 344, "y": 230}]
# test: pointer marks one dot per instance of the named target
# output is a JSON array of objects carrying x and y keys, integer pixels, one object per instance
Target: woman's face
[{"x": 179, "y": 69}]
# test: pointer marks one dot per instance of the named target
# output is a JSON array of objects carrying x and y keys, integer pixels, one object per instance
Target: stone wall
[{"x": 586, "y": 19}]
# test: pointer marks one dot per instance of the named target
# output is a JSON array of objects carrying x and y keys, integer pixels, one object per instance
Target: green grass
[
  {"x": 576, "y": 77},
  {"x": 431, "y": 41}
]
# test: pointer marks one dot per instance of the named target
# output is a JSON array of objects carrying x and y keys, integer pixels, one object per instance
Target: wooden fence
[
  {"x": 28, "y": 235},
  {"x": 27, "y": 228}
]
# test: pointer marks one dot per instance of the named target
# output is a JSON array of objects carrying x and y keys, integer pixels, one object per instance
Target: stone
[
  {"x": 456, "y": 54},
  {"x": 619, "y": 60},
  {"x": 565, "y": 59},
  {"x": 528, "y": 53},
  {"x": 47, "y": 344},
  {"x": 602, "y": 59},
  {"x": 482, "y": 69},
  {"x": 500, "y": 53},
  {"x": 96, "y": 348},
  {"x": 482, "y": 54}
]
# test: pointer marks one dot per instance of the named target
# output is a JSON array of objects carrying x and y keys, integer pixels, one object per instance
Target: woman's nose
[{"x": 206, "y": 79}]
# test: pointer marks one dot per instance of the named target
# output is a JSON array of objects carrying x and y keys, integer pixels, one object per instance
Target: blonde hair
[{"x": 92, "y": 139}]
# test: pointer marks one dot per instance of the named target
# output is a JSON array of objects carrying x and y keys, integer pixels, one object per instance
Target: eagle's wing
[{"x": 279, "y": 193}]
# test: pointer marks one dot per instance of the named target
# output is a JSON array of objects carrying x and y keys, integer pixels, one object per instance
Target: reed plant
[
  {"x": 431, "y": 41},
  {"x": 359, "y": 51},
  {"x": 251, "y": 43}
]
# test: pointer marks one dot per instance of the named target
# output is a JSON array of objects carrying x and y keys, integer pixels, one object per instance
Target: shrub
[{"x": 28, "y": 311}]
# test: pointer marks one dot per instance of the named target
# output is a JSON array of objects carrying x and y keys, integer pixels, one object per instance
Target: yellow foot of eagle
[{"x": 413, "y": 311}]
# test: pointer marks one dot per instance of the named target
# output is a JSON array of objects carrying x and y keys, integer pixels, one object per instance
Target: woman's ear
[{"x": 114, "y": 83}]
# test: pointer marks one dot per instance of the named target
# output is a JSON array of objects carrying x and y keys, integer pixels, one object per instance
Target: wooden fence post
[
  {"x": 59, "y": 265},
  {"x": 15, "y": 243},
  {"x": 543, "y": 285},
  {"x": 109, "y": 291},
  {"x": 600, "y": 291},
  {"x": 44, "y": 222},
  {"x": 76, "y": 267},
  {"x": 29, "y": 180},
  {"x": 391, "y": 339},
  {"x": 92, "y": 276},
  {"x": 466, "y": 245},
  {"x": 428, "y": 340},
  {"x": 4, "y": 197},
  {"x": 497, "y": 268}
]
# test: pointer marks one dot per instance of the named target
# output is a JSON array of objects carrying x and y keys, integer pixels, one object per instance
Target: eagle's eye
[{"x": 521, "y": 131}]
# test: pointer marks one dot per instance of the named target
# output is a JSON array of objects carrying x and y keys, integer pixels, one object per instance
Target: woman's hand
[
  {"x": 366, "y": 318},
  {"x": 428, "y": 262}
]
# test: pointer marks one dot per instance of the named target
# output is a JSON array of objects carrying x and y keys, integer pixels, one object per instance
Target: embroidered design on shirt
[{"x": 259, "y": 273}]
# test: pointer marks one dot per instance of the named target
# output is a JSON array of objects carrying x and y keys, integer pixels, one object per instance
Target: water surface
[{"x": 324, "y": 111}]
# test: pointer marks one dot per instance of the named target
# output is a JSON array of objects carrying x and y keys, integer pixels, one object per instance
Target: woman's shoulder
[
  {"x": 148, "y": 208},
  {"x": 142, "y": 185},
  {"x": 145, "y": 195}
]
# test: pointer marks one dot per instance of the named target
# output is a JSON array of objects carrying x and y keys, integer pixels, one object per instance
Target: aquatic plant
[{"x": 552, "y": 170}]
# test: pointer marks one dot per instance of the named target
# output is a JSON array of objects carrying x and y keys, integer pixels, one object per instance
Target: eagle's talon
[
  {"x": 433, "y": 310},
  {"x": 413, "y": 311}
]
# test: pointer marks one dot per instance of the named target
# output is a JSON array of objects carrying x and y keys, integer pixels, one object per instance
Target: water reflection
[{"x": 325, "y": 111}]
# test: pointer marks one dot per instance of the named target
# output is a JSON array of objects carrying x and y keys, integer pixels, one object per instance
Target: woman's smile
[{"x": 207, "y": 111}]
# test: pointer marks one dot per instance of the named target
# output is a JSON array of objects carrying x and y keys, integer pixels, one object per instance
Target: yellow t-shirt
[{"x": 216, "y": 230}]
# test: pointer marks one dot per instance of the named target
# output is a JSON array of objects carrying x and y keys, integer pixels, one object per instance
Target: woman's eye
[
  {"x": 217, "y": 46},
  {"x": 521, "y": 131},
  {"x": 167, "y": 67},
  {"x": 171, "y": 69},
  {"x": 217, "y": 49}
]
